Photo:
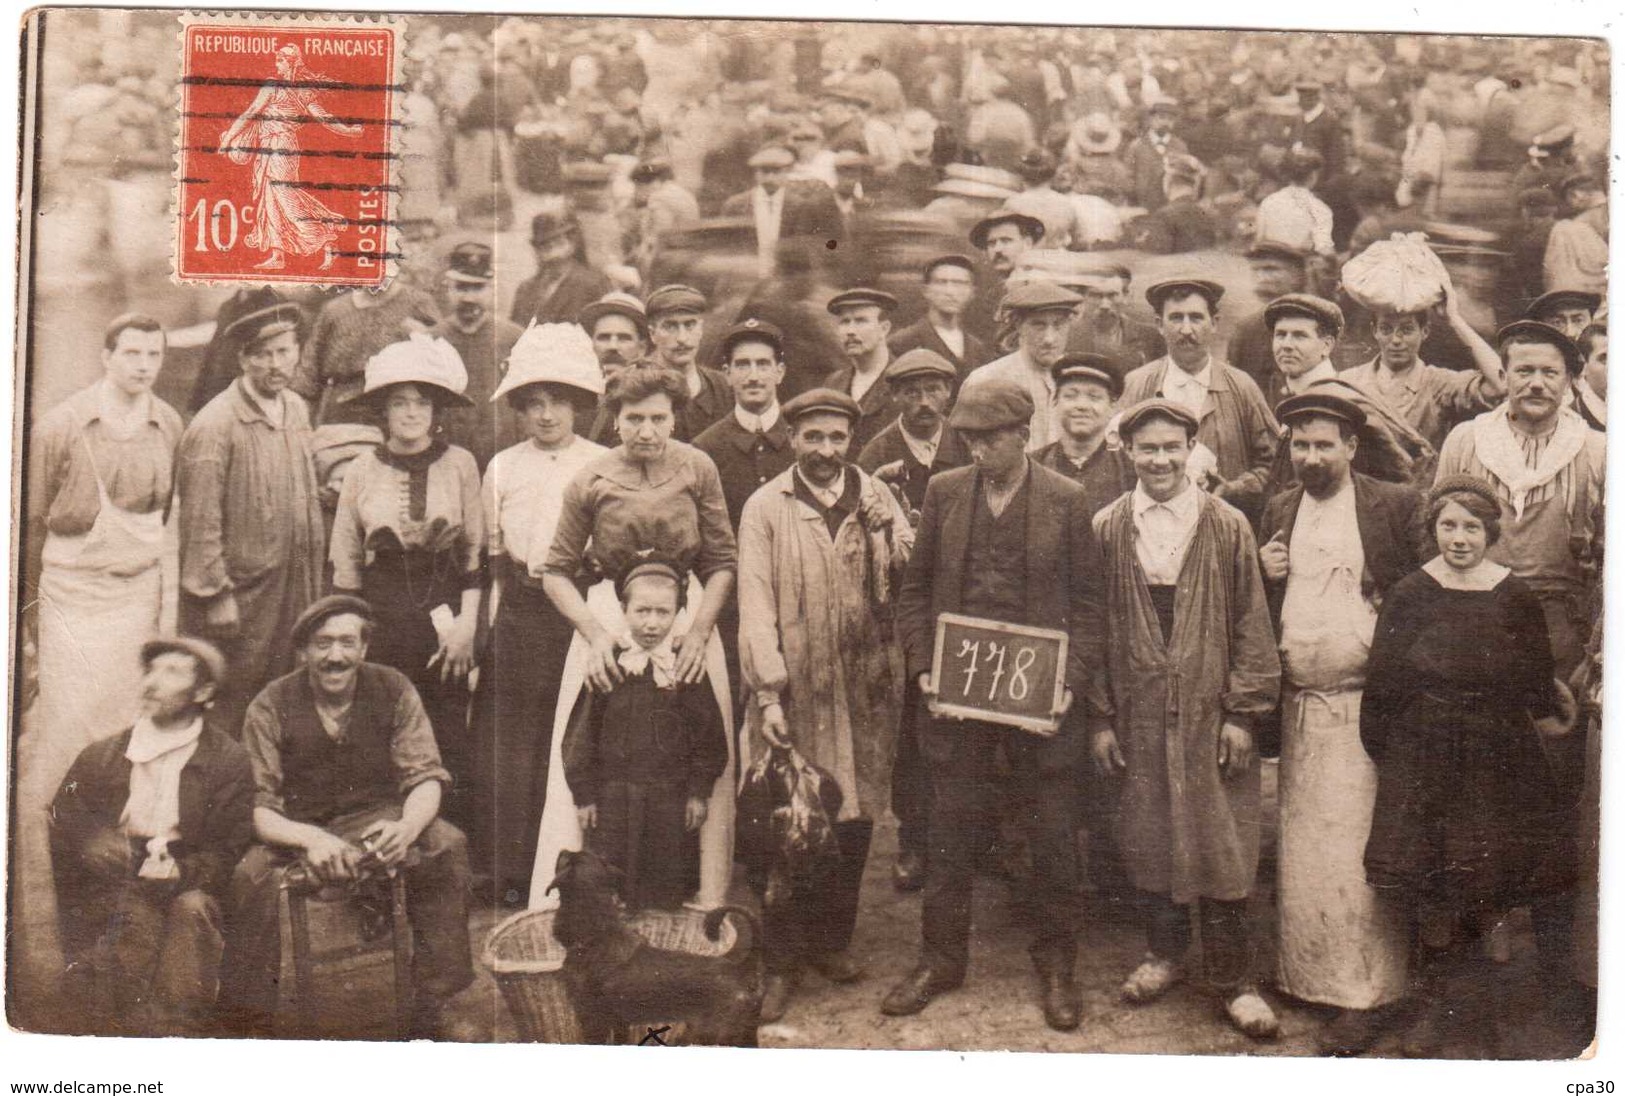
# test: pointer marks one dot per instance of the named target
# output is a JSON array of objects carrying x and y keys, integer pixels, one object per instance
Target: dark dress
[
  {"x": 1468, "y": 817},
  {"x": 639, "y": 754}
]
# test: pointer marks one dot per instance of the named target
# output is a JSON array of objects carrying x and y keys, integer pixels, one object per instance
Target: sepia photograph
[{"x": 792, "y": 533}]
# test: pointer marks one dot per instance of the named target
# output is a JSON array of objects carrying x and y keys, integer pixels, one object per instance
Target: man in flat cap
[
  {"x": 1002, "y": 237},
  {"x": 618, "y": 325},
  {"x": 563, "y": 283},
  {"x": 676, "y": 330},
  {"x": 662, "y": 204},
  {"x": 1303, "y": 330},
  {"x": 482, "y": 339},
  {"x": 1277, "y": 269},
  {"x": 1431, "y": 398},
  {"x": 349, "y": 782},
  {"x": 252, "y": 537},
  {"x": 1147, "y": 154},
  {"x": 1336, "y": 542},
  {"x": 1087, "y": 388},
  {"x": 821, "y": 549},
  {"x": 145, "y": 831},
  {"x": 1005, "y": 540},
  {"x": 1183, "y": 592},
  {"x": 1569, "y": 310},
  {"x": 862, "y": 323},
  {"x": 1043, "y": 315},
  {"x": 782, "y": 208},
  {"x": 918, "y": 443},
  {"x": 1234, "y": 422},
  {"x": 949, "y": 285},
  {"x": 1102, "y": 327}
]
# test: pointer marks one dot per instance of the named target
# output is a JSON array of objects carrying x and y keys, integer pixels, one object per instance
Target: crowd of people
[{"x": 458, "y": 591}]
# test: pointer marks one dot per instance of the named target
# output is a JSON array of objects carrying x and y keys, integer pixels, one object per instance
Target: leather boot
[
  {"x": 923, "y": 985},
  {"x": 1063, "y": 1001},
  {"x": 777, "y": 989}
]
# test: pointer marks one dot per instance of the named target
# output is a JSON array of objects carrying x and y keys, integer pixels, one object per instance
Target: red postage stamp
[{"x": 285, "y": 151}]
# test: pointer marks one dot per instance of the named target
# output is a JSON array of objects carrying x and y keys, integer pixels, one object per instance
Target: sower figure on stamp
[
  {"x": 251, "y": 527},
  {"x": 348, "y": 781},
  {"x": 821, "y": 548},
  {"x": 1336, "y": 543},
  {"x": 1005, "y": 540},
  {"x": 145, "y": 831},
  {"x": 288, "y": 217},
  {"x": 1192, "y": 663}
]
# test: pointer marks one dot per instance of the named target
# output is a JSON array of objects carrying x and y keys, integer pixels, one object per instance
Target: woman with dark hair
[
  {"x": 409, "y": 537},
  {"x": 552, "y": 383},
  {"x": 650, "y": 495},
  {"x": 1459, "y": 699}
]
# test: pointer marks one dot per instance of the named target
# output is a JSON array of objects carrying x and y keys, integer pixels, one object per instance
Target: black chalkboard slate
[{"x": 998, "y": 672}]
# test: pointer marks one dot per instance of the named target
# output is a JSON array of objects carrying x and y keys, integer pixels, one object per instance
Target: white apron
[
  {"x": 1340, "y": 944},
  {"x": 560, "y": 830},
  {"x": 99, "y": 599}
]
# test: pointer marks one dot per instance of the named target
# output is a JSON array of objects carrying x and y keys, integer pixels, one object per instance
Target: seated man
[
  {"x": 349, "y": 782},
  {"x": 144, "y": 833}
]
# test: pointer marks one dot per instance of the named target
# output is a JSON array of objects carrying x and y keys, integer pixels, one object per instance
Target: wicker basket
[{"x": 526, "y": 960}]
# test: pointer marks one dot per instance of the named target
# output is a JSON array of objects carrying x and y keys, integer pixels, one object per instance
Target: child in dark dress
[{"x": 641, "y": 760}]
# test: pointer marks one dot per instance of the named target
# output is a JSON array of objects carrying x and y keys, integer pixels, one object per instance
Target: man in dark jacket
[
  {"x": 919, "y": 443},
  {"x": 563, "y": 283},
  {"x": 950, "y": 283},
  {"x": 1009, "y": 541},
  {"x": 144, "y": 833}
]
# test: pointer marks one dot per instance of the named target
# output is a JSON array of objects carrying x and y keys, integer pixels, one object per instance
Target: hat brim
[
  {"x": 243, "y": 328},
  {"x": 442, "y": 396},
  {"x": 1091, "y": 375},
  {"x": 468, "y": 279},
  {"x": 1030, "y": 226}
]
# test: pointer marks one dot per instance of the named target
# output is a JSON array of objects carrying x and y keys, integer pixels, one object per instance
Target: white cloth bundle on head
[{"x": 1401, "y": 274}]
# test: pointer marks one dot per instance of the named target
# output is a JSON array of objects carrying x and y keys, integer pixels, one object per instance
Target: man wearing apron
[
  {"x": 101, "y": 476},
  {"x": 1337, "y": 540}
]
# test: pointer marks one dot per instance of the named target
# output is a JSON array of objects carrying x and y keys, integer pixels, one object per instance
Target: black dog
[{"x": 617, "y": 979}]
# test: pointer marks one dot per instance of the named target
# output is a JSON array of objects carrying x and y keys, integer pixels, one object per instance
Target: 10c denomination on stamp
[{"x": 286, "y": 149}]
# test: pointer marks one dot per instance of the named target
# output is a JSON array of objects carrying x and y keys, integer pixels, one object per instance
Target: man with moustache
[
  {"x": 1010, "y": 541},
  {"x": 1101, "y": 327},
  {"x": 821, "y": 548},
  {"x": 1432, "y": 399},
  {"x": 1337, "y": 541},
  {"x": 349, "y": 783},
  {"x": 676, "y": 329},
  {"x": 950, "y": 283},
  {"x": 563, "y": 284},
  {"x": 1234, "y": 422},
  {"x": 1002, "y": 238},
  {"x": 1191, "y": 665},
  {"x": 919, "y": 443},
  {"x": 1087, "y": 387},
  {"x": 619, "y": 329},
  {"x": 482, "y": 339},
  {"x": 252, "y": 538},
  {"x": 1043, "y": 315},
  {"x": 862, "y": 323},
  {"x": 145, "y": 831}
]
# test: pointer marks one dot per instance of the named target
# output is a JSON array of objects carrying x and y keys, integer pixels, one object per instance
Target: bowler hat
[
  {"x": 548, "y": 226},
  {"x": 1323, "y": 404},
  {"x": 1158, "y": 408},
  {"x": 1030, "y": 227},
  {"x": 825, "y": 400},
  {"x": 675, "y": 298},
  {"x": 751, "y": 330},
  {"x": 1324, "y": 312},
  {"x": 207, "y": 654},
  {"x": 330, "y": 606},
  {"x": 855, "y": 298},
  {"x": 470, "y": 262},
  {"x": 1102, "y": 368},
  {"x": 1557, "y": 298},
  {"x": 991, "y": 405},
  {"x": 920, "y": 362},
  {"x": 1156, "y": 294},
  {"x": 1535, "y": 331}
]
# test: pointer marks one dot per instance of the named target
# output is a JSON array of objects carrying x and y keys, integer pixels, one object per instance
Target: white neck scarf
[
  {"x": 153, "y": 810},
  {"x": 1499, "y": 451},
  {"x": 662, "y": 658}
]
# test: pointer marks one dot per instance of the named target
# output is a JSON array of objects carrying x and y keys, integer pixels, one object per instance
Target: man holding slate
[{"x": 998, "y": 541}]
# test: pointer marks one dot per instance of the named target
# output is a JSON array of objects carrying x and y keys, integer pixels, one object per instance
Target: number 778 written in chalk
[{"x": 998, "y": 672}]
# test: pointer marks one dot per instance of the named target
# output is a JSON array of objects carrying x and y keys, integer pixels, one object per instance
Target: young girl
[{"x": 641, "y": 760}]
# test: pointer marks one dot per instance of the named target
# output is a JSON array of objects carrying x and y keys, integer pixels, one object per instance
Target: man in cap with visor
[
  {"x": 482, "y": 339},
  {"x": 862, "y": 323},
  {"x": 1043, "y": 315},
  {"x": 676, "y": 330}
]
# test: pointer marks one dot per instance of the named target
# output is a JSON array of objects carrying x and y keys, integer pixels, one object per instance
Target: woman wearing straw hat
[
  {"x": 552, "y": 382},
  {"x": 409, "y": 537}
]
